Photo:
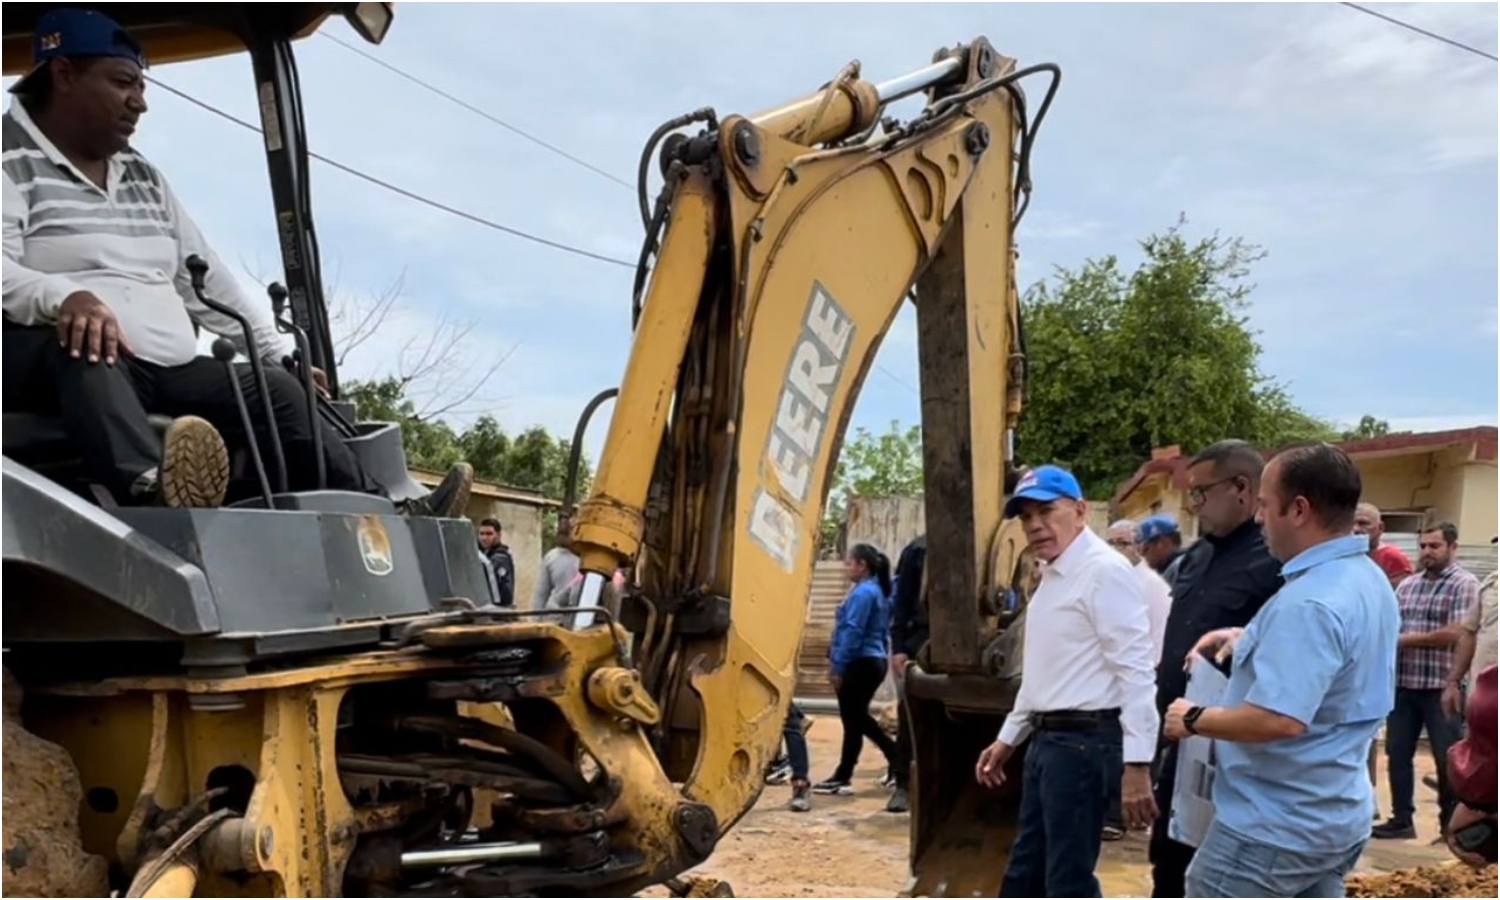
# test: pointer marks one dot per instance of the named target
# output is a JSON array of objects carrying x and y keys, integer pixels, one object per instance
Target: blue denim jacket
[{"x": 860, "y": 629}]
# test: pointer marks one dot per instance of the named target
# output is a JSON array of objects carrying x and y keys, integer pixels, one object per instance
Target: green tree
[
  {"x": 534, "y": 460},
  {"x": 1368, "y": 427},
  {"x": 873, "y": 465},
  {"x": 1122, "y": 362}
]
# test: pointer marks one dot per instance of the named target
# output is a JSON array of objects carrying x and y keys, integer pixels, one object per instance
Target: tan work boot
[{"x": 194, "y": 465}]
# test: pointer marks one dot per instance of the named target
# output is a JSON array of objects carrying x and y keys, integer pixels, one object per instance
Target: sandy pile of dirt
[
  {"x": 43, "y": 854},
  {"x": 1447, "y": 880}
]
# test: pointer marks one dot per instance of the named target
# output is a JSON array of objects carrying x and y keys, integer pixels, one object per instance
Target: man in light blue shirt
[{"x": 1313, "y": 678}]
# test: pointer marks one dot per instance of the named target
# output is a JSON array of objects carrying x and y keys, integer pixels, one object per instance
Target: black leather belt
[{"x": 1074, "y": 719}]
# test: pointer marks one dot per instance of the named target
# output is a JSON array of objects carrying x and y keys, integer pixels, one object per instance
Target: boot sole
[
  {"x": 194, "y": 465},
  {"x": 459, "y": 504}
]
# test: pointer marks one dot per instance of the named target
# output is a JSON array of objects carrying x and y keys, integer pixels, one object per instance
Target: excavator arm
[{"x": 784, "y": 245}]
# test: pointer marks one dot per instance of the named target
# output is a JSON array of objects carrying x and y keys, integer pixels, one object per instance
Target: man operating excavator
[{"x": 101, "y": 316}]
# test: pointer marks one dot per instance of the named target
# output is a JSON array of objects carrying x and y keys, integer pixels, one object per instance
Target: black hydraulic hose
[
  {"x": 650, "y": 244},
  {"x": 224, "y": 352},
  {"x": 700, "y": 115},
  {"x": 575, "y": 452},
  {"x": 197, "y": 270},
  {"x": 309, "y": 384}
]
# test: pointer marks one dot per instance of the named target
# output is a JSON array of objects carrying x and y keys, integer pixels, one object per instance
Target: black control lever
[
  {"x": 197, "y": 271},
  {"x": 224, "y": 352},
  {"x": 278, "y": 308}
]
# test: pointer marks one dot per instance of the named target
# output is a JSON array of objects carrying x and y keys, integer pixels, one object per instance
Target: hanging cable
[{"x": 396, "y": 189}]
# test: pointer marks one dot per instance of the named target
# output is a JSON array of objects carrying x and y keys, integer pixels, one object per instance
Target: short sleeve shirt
[
  {"x": 1321, "y": 651},
  {"x": 1481, "y": 623},
  {"x": 1429, "y": 602}
]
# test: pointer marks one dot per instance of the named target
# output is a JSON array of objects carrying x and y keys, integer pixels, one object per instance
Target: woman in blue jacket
[{"x": 857, "y": 660}]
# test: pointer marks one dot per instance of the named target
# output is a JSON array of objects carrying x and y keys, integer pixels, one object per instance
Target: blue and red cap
[
  {"x": 1043, "y": 484},
  {"x": 73, "y": 32}
]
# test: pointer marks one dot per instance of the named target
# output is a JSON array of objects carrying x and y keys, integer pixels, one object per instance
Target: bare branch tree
[
  {"x": 435, "y": 369},
  {"x": 356, "y": 320}
]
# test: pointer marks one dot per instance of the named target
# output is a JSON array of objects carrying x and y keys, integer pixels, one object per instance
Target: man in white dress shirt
[{"x": 1087, "y": 696}]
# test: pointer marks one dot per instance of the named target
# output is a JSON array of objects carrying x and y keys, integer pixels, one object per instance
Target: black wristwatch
[{"x": 1190, "y": 719}]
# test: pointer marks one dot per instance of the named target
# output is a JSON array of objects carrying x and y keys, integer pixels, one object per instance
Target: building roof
[
  {"x": 1483, "y": 438},
  {"x": 1168, "y": 461},
  {"x": 492, "y": 491},
  {"x": 1171, "y": 461}
]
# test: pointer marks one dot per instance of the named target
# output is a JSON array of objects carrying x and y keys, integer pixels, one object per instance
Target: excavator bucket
[{"x": 960, "y": 831}]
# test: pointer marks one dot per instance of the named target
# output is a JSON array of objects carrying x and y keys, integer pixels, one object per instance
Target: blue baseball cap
[
  {"x": 74, "y": 32},
  {"x": 1043, "y": 484},
  {"x": 1153, "y": 527}
]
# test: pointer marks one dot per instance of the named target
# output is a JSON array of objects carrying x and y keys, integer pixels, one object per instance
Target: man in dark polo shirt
[{"x": 1221, "y": 581}]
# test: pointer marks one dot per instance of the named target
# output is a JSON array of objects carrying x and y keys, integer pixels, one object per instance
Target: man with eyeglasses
[{"x": 1221, "y": 581}]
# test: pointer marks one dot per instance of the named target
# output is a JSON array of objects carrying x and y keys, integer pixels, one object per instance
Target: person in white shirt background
[
  {"x": 1087, "y": 696},
  {"x": 1121, "y": 536}
]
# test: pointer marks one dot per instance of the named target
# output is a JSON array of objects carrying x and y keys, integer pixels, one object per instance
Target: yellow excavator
[{"x": 306, "y": 694}]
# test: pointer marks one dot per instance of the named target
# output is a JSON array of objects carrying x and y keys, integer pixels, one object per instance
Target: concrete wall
[
  {"x": 1157, "y": 495},
  {"x": 1480, "y": 520},
  {"x": 890, "y": 523},
  {"x": 1444, "y": 486}
]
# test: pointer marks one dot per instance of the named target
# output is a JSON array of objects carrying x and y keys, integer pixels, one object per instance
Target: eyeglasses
[
  {"x": 1121, "y": 543},
  {"x": 1200, "y": 493}
]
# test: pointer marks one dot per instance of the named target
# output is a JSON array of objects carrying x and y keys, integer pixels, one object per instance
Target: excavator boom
[{"x": 789, "y": 241}]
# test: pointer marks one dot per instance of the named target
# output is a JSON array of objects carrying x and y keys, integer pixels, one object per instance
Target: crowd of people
[{"x": 1325, "y": 636}]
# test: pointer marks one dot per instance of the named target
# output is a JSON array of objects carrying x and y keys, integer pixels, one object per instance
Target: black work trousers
[
  {"x": 104, "y": 410},
  {"x": 905, "y": 751},
  {"x": 857, "y": 688},
  {"x": 1414, "y": 711}
]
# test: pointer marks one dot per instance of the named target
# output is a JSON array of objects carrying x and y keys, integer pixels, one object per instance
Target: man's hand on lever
[{"x": 85, "y": 324}]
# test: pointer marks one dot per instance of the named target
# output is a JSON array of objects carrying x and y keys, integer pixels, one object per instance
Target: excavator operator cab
[{"x": 273, "y": 572}]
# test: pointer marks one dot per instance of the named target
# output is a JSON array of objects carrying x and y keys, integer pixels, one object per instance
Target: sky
[{"x": 1362, "y": 157}]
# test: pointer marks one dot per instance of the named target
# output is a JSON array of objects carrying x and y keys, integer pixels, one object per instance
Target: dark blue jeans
[
  {"x": 1414, "y": 710},
  {"x": 1065, "y": 795},
  {"x": 796, "y": 742}
]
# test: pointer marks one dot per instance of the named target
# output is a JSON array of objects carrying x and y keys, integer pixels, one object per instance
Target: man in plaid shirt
[{"x": 1434, "y": 605}]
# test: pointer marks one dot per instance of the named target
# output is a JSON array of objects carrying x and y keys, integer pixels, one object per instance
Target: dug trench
[{"x": 850, "y": 847}]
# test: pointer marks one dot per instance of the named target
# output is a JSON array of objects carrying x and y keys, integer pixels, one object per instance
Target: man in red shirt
[
  {"x": 1396, "y": 566},
  {"x": 1392, "y": 560}
]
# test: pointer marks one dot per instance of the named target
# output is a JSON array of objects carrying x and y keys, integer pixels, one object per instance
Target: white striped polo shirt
[{"x": 125, "y": 243}]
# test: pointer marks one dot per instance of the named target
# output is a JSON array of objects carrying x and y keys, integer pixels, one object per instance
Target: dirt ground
[
  {"x": 43, "y": 854},
  {"x": 851, "y": 847}
]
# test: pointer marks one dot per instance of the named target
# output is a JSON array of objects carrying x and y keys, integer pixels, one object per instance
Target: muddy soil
[
  {"x": 43, "y": 854},
  {"x": 1447, "y": 880},
  {"x": 851, "y": 847}
]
